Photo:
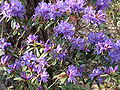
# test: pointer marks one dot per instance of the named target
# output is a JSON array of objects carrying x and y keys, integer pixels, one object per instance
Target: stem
[
  {"x": 2, "y": 23},
  {"x": 20, "y": 38},
  {"x": 2, "y": 29},
  {"x": 52, "y": 84}
]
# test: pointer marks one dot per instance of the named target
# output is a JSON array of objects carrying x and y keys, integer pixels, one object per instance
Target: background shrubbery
[{"x": 60, "y": 45}]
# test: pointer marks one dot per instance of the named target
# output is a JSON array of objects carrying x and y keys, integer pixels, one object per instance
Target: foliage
[{"x": 51, "y": 50}]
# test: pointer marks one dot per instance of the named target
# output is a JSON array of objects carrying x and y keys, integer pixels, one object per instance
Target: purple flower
[
  {"x": 16, "y": 65},
  {"x": 29, "y": 57},
  {"x": 43, "y": 9},
  {"x": 31, "y": 38},
  {"x": 115, "y": 53},
  {"x": 58, "y": 49},
  {"x": 111, "y": 70},
  {"x": 94, "y": 17},
  {"x": 59, "y": 56},
  {"x": 42, "y": 43},
  {"x": 14, "y": 8},
  {"x": 58, "y": 53},
  {"x": 17, "y": 26},
  {"x": 72, "y": 73},
  {"x": 58, "y": 9},
  {"x": 80, "y": 70},
  {"x": 64, "y": 28},
  {"x": 5, "y": 59},
  {"x": 51, "y": 11},
  {"x": 4, "y": 44},
  {"x": 100, "y": 17},
  {"x": 48, "y": 46},
  {"x": 42, "y": 73},
  {"x": 104, "y": 46},
  {"x": 115, "y": 56},
  {"x": 96, "y": 73},
  {"x": 40, "y": 88},
  {"x": 78, "y": 44},
  {"x": 25, "y": 76},
  {"x": 94, "y": 38},
  {"x": 75, "y": 5},
  {"x": 61, "y": 6},
  {"x": 31, "y": 66},
  {"x": 38, "y": 69},
  {"x": 44, "y": 76},
  {"x": 102, "y": 4},
  {"x": 42, "y": 61}
]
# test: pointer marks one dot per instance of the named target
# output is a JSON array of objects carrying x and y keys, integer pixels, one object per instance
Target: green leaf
[
  {"x": 10, "y": 88},
  {"x": 37, "y": 52},
  {"x": 48, "y": 25},
  {"x": 18, "y": 79},
  {"x": 118, "y": 23},
  {"x": 71, "y": 86},
  {"x": 41, "y": 50},
  {"x": 54, "y": 62},
  {"x": 13, "y": 24},
  {"x": 14, "y": 33},
  {"x": 63, "y": 80},
  {"x": 35, "y": 23},
  {"x": 88, "y": 81},
  {"x": 20, "y": 86},
  {"x": 32, "y": 81},
  {"x": 31, "y": 86},
  {"x": 44, "y": 55},
  {"x": 1, "y": 52},
  {"x": 9, "y": 76}
]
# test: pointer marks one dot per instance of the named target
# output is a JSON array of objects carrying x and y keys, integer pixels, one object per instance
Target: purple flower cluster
[
  {"x": 35, "y": 66},
  {"x": 52, "y": 11},
  {"x": 102, "y": 43},
  {"x": 48, "y": 46},
  {"x": 13, "y": 67},
  {"x": 75, "y": 5},
  {"x": 28, "y": 57},
  {"x": 96, "y": 73},
  {"x": 14, "y": 8},
  {"x": 93, "y": 16},
  {"x": 25, "y": 76},
  {"x": 4, "y": 44},
  {"x": 78, "y": 44},
  {"x": 5, "y": 59},
  {"x": 72, "y": 73},
  {"x": 111, "y": 70},
  {"x": 94, "y": 38},
  {"x": 115, "y": 53},
  {"x": 32, "y": 38},
  {"x": 60, "y": 8},
  {"x": 65, "y": 28},
  {"x": 55, "y": 50},
  {"x": 107, "y": 45},
  {"x": 58, "y": 53},
  {"x": 42, "y": 74},
  {"x": 102, "y": 4}
]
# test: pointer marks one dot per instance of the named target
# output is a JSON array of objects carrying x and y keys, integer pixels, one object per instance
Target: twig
[
  {"x": 52, "y": 84},
  {"x": 19, "y": 39}
]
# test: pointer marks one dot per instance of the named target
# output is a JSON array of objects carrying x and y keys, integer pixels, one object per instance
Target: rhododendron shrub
[{"x": 51, "y": 50}]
